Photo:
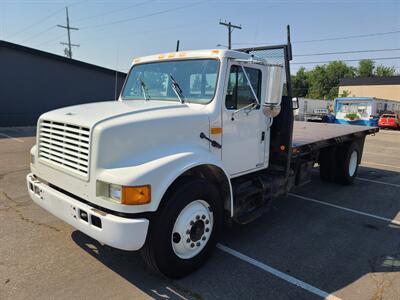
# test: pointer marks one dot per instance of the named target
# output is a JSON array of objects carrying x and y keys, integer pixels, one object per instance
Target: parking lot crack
[
  {"x": 23, "y": 217},
  {"x": 2, "y": 175}
]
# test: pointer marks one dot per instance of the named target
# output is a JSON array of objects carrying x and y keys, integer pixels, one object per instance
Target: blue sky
[{"x": 113, "y": 32}]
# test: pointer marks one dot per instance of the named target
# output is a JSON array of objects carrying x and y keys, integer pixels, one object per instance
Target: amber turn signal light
[{"x": 136, "y": 195}]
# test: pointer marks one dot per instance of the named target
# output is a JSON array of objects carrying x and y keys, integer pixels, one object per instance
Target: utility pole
[
  {"x": 69, "y": 28},
  {"x": 177, "y": 45},
  {"x": 231, "y": 27}
]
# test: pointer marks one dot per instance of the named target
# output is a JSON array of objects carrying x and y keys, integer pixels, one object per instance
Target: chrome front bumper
[{"x": 115, "y": 231}]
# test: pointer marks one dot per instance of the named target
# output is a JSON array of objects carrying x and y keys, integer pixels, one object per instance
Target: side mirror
[
  {"x": 295, "y": 103},
  {"x": 274, "y": 89}
]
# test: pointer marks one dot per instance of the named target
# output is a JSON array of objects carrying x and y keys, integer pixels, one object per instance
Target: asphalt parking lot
[{"x": 322, "y": 241}]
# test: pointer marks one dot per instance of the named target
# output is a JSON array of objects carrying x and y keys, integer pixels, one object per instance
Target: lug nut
[
  {"x": 192, "y": 245},
  {"x": 188, "y": 231},
  {"x": 203, "y": 217},
  {"x": 198, "y": 244},
  {"x": 191, "y": 223},
  {"x": 207, "y": 229},
  {"x": 203, "y": 238},
  {"x": 188, "y": 240},
  {"x": 197, "y": 217},
  {"x": 207, "y": 221}
]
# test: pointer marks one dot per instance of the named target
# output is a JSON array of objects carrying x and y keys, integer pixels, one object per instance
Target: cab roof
[{"x": 192, "y": 54}]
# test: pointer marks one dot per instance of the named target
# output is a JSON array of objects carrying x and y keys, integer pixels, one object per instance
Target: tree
[
  {"x": 345, "y": 93},
  {"x": 324, "y": 80},
  {"x": 382, "y": 70},
  {"x": 318, "y": 82},
  {"x": 366, "y": 68},
  {"x": 300, "y": 83}
]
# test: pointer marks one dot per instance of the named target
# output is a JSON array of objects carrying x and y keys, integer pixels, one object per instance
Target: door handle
[{"x": 262, "y": 136}]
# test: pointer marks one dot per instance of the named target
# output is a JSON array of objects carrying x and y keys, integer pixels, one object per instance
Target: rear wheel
[
  {"x": 186, "y": 229},
  {"x": 327, "y": 164},
  {"x": 340, "y": 164},
  {"x": 348, "y": 159}
]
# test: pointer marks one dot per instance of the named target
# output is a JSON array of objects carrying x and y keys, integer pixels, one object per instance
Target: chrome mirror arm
[
  {"x": 249, "y": 106},
  {"x": 249, "y": 84}
]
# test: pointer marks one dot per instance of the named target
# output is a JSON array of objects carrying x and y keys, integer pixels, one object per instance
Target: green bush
[{"x": 351, "y": 116}]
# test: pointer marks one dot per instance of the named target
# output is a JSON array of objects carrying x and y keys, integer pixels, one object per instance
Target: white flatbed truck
[{"x": 196, "y": 139}]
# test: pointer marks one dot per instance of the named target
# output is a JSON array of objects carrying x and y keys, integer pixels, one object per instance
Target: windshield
[
  {"x": 361, "y": 110},
  {"x": 197, "y": 79}
]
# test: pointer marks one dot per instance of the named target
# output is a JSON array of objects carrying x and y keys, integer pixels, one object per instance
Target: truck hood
[
  {"x": 89, "y": 115},
  {"x": 126, "y": 133}
]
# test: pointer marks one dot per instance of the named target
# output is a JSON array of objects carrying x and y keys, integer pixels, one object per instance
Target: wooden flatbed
[{"x": 308, "y": 136}]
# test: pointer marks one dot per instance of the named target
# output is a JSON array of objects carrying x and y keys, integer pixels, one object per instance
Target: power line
[
  {"x": 331, "y": 39},
  {"x": 51, "y": 40},
  {"x": 145, "y": 16},
  {"x": 347, "y": 52},
  {"x": 36, "y": 35},
  {"x": 69, "y": 28},
  {"x": 114, "y": 11},
  {"x": 230, "y": 27},
  {"x": 35, "y": 24},
  {"x": 86, "y": 18},
  {"x": 27, "y": 28},
  {"x": 349, "y": 37},
  {"x": 349, "y": 60}
]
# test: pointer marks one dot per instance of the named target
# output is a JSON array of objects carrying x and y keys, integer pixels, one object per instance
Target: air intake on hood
[{"x": 65, "y": 145}]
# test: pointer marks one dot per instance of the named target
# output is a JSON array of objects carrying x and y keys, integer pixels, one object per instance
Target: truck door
[{"x": 244, "y": 132}]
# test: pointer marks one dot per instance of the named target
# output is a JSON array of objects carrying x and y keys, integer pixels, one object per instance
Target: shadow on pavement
[
  {"x": 326, "y": 247},
  {"x": 379, "y": 174},
  {"x": 17, "y": 132},
  {"x": 130, "y": 265}
]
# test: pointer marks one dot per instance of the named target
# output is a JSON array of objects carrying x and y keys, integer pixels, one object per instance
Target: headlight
[
  {"x": 114, "y": 192},
  {"x": 129, "y": 195}
]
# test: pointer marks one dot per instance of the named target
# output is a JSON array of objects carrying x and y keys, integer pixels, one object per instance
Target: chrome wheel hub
[{"x": 192, "y": 229}]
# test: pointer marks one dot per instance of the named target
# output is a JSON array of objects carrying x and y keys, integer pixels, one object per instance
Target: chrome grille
[{"x": 65, "y": 145}]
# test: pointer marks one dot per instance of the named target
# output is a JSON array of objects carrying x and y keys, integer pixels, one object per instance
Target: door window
[{"x": 239, "y": 93}]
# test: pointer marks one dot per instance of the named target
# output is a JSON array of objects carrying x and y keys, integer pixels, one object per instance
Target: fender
[{"x": 160, "y": 173}]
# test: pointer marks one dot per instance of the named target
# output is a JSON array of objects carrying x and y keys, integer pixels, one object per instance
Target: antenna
[
  {"x": 289, "y": 42},
  {"x": 68, "y": 51}
]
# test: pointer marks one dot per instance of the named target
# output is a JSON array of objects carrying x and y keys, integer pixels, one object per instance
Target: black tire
[
  {"x": 343, "y": 159},
  {"x": 326, "y": 164},
  {"x": 158, "y": 252}
]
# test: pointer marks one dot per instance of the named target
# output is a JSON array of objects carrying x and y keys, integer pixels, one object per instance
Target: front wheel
[{"x": 185, "y": 230}]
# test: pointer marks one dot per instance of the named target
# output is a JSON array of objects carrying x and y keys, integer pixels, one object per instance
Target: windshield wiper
[
  {"x": 144, "y": 89},
  {"x": 177, "y": 89}
]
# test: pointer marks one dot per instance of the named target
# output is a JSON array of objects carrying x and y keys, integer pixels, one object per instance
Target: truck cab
[{"x": 195, "y": 139}]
